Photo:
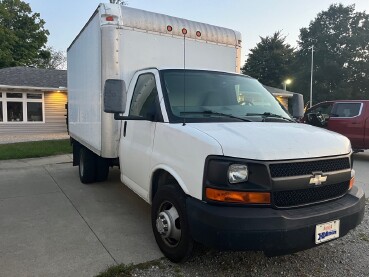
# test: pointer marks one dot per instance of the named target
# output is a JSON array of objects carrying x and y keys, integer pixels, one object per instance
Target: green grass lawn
[{"x": 34, "y": 149}]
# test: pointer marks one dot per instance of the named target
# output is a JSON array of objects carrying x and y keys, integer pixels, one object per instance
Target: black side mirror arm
[{"x": 117, "y": 116}]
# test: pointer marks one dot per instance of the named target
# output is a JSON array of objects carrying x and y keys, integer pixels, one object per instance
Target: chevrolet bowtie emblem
[{"x": 318, "y": 179}]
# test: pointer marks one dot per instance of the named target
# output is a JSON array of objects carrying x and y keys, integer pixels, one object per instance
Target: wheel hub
[
  {"x": 168, "y": 224},
  {"x": 163, "y": 224}
]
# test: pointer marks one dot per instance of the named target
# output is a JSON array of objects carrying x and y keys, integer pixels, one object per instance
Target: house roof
[
  {"x": 33, "y": 77},
  {"x": 279, "y": 92}
]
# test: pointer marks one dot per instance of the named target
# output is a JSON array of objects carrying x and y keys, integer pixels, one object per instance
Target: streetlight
[
  {"x": 311, "y": 80},
  {"x": 286, "y": 82}
]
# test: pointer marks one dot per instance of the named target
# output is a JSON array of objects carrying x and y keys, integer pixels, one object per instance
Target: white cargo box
[{"x": 116, "y": 42}]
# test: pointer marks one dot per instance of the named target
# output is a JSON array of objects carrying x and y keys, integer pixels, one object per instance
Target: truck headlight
[{"x": 237, "y": 173}]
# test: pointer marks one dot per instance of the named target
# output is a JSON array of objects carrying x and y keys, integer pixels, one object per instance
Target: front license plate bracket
[{"x": 327, "y": 231}]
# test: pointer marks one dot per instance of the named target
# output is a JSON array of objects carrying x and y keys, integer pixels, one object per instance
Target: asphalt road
[
  {"x": 52, "y": 225},
  {"x": 361, "y": 166}
]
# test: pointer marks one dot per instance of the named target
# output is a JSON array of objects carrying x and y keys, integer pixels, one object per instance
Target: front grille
[
  {"x": 292, "y": 198},
  {"x": 307, "y": 168}
]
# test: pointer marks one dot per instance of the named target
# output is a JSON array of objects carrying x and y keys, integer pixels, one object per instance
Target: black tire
[
  {"x": 102, "y": 173},
  {"x": 176, "y": 250},
  {"x": 87, "y": 166}
]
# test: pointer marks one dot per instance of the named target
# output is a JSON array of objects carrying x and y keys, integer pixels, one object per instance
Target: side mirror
[
  {"x": 297, "y": 105},
  {"x": 316, "y": 119},
  {"x": 115, "y": 96}
]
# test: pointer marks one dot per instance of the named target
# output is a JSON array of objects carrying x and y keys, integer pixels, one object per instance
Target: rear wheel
[
  {"x": 170, "y": 225},
  {"x": 102, "y": 173},
  {"x": 87, "y": 166}
]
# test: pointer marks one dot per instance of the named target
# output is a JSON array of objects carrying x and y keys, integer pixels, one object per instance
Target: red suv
[{"x": 347, "y": 117}]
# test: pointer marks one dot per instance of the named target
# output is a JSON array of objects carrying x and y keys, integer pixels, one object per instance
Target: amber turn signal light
[
  {"x": 352, "y": 181},
  {"x": 238, "y": 196}
]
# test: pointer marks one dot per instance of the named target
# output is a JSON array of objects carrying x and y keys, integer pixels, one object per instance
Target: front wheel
[{"x": 170, "y": 225}]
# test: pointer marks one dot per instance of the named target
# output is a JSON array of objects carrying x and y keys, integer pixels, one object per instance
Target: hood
[{"x": 275, "y": 141}]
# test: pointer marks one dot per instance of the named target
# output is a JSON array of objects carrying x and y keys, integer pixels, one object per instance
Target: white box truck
[{"x": 214, "y": 153}]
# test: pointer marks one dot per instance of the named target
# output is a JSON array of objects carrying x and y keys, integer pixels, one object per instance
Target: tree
[
  {"x": 22, "y": 35},
  {"x": 270, "y": 60},
  {"x": 56, "y": 59},
  {"x": 341, "y": 58}
]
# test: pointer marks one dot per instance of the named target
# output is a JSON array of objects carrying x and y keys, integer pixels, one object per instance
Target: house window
[
  {"x": 14, "y": 95},
  {"x": 21, "y": 107},
  {"x": 34, "y": 96},
  {"x": 15, "y": 111},
  {"x": 34, "y": 111}
]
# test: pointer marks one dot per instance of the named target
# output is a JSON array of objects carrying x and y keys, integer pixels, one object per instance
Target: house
[
  {"x": 281, "y": 95},
  {"x": 32, "y": 101}
]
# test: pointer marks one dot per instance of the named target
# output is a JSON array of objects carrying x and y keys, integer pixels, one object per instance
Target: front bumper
[{"x": 276, "y": 232}]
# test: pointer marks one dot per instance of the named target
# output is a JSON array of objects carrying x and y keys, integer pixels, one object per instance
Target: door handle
[{"x": 124, "y": 128}]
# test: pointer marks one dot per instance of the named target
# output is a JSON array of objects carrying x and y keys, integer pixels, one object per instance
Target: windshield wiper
[
  {"x": 217, "y": 113},
  {"x": 267, "y": 114}
]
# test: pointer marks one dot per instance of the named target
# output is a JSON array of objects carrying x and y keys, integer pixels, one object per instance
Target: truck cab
[
  {"x": 215, "y": 155},
  {"x": 347, "y": 117}
]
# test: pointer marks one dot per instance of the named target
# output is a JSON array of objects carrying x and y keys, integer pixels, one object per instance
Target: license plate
[{"x": 327, "y": 231}]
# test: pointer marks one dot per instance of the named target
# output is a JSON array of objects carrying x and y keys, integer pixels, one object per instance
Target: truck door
[
  {"x": 346, "y": 119},
  {"x": 138, "y": 135}
]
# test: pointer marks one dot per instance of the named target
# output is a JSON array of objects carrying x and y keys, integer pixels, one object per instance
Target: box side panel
[
  {"x": 140, "y": 50},
  {"x": 84, "y": 87}
]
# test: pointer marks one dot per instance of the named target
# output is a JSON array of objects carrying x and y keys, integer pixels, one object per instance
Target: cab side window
[
  {"x": 145, "y": 99},
  {"x": 346, "y": 109}
]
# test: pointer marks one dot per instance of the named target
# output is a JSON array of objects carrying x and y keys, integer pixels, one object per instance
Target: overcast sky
[{"x": 65, "y": 18}]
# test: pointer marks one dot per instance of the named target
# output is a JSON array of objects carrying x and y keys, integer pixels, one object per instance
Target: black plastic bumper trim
[{"x": 275, "y": 232}]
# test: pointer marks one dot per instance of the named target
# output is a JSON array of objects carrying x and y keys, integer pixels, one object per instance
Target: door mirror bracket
[{"x": 118, "y": 116}]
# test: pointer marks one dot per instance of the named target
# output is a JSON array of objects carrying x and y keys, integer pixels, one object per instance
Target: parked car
[{"x": 347, "y": 117}]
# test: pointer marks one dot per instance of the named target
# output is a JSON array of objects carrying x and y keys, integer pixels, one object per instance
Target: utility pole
[{"x": 311, "y": 81}]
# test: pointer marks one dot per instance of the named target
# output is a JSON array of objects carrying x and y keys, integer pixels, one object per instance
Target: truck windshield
[{"x": 217, "y": 96}]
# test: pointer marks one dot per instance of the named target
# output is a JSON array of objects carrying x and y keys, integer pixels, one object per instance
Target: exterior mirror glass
[
  {"x": 115, "y": 96},
  {"x": 297, "y": 105}
]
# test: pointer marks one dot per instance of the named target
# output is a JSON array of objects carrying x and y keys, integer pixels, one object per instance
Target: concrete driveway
[{"x": 52, "y": 225}]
